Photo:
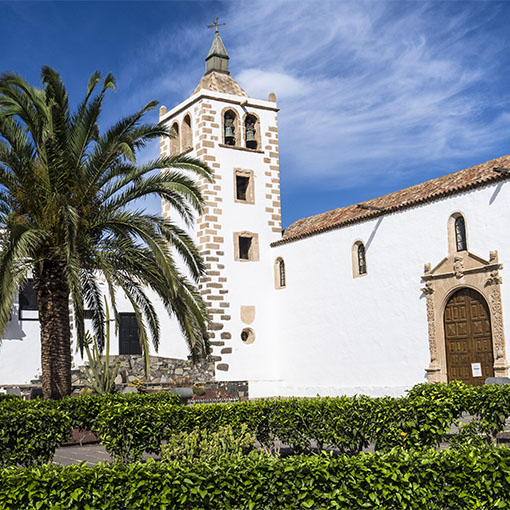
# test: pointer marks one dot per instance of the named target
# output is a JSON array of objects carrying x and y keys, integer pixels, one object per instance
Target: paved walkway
[{"x": 90, "y": 453}]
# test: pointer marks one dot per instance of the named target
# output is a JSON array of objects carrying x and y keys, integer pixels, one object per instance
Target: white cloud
[
  {"x": 260, "y": 83},
  {"x": 366, "y": 90}
]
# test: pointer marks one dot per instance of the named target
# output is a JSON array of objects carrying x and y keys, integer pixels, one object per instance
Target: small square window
[
  {"x": 244, "y": 190},
  {"x": 28, "y": 309},
  {"x": 244, "y": 248},
  {"x": 242, "y": 183}
]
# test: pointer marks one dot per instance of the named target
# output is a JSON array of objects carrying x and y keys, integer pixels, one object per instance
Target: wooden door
[
  {"x": 468, "y": 338},
  {"x": 128, "y": 334}
]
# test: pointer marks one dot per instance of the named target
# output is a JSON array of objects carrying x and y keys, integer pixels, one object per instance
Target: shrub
[
  {"x": 398, "y": 480},
  {"x": 224, "y": 444},
  {"x": 31, "y": 436}
]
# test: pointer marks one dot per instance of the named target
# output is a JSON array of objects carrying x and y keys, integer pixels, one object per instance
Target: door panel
[
  {"x": 128, "y": 334},
  {"x": 468, "y": 337}
]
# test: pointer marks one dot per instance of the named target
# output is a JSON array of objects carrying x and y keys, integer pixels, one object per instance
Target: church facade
[{"x": 371, "y": 298}]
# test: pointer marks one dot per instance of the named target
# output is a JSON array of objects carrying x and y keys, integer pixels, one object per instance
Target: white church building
[{"x": 370, "y": 298}]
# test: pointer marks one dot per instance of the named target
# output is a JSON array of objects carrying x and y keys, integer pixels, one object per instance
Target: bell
[
  {"x": 250, "y": 135},
  {"x": 229, "y": 135}
]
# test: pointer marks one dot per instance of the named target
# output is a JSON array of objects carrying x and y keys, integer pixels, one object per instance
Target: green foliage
[
  {"x": 99, "y": 373},
  {"x": 7, "y": 396},
  {"x": 31, "y": 436},
  {"x": 223, "y": 444},
  {"x": 83, "y": 410},
  {"x": 67, "y": 215},
  {"x": 139, "y": 385},
  {"x": 398, "y": 480}
]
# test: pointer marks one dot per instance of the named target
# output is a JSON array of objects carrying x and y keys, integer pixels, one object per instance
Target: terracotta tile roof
[
  {"x": 220, "y": 82},
  {"x": 451, "y": 184}
]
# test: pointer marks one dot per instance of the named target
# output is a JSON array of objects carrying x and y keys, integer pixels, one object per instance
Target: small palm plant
[{"x": 99, "y": 373}]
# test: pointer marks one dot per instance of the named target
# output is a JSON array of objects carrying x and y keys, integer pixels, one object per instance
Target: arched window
[
  {"x": 282, "y": 273},
  {"x": 280, "y": 278},
  {"x": 359, "y": 259},
  {"x": 175, "y": 143},
  {"x": 250, "y": 130},
  {"x": 187, "y": 137},
  {"x": 229, "y": 128},
  {"x": 457, "y": 236},
  {"x": 362, "y": 261},
  {"x": 460, "y": 233}
]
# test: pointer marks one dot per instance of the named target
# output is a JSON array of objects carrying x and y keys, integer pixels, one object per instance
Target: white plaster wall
[
  {"x": 20, "y": 348},
  {"x": 247, "y": 281},
  {"x": 339, "y": 334}
]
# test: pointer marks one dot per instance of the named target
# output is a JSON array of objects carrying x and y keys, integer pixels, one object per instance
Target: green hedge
[
  {"x": 348, "y": 424},
  {"x": 396, "y": 481},
  {"x": 31, "y": 436},
  {"x": 83, "y": 410},
  {"x": 30, "y": 431},
  {"x": 130, "y": 424}
]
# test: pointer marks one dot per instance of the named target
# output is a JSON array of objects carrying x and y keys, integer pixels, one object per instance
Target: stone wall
[{"x": 163, "y": 371}]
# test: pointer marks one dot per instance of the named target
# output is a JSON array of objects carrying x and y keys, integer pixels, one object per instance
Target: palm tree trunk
[{"x": 52, "y": 289}]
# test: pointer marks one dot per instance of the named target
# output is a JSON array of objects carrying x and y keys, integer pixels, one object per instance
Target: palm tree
[{"x": 65, "y": 189}]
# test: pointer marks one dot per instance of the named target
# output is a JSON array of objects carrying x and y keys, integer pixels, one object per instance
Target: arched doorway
[{"x": 468, "y": 338}]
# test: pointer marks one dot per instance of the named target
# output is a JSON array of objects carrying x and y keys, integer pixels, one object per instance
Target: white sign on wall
[{"x": 476, "y": 369}]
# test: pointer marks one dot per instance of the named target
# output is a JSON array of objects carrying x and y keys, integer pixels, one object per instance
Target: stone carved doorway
[
  {"x": 468, "y": 338},
  {"x": 457, "y": 271}
]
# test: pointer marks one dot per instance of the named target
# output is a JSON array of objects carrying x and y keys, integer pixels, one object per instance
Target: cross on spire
[{"x": 216, "y": 24}]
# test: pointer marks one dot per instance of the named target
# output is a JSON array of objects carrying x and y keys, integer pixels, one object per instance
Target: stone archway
[
  {"x": 455, "y": 272},
  {"x": 468, "y": 337}
]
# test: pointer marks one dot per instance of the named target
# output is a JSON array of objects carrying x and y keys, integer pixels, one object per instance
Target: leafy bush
[
  {"x": 5, "y": 397},
  {"x": 31, "y": 436},
  {"x": 398, "y": 480},
  {"x": 224, "y": 444}
]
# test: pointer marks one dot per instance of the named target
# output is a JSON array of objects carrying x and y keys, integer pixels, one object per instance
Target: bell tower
[{"x": 237, "y": 136}]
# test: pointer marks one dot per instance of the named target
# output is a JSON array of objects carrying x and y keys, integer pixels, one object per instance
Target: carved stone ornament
[
  {"x": 458, "y": 267},
  {"x": 441, "y": 283}
]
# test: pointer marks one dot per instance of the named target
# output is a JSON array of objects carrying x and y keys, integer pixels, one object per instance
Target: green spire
[{"x": 217, "y": 58}]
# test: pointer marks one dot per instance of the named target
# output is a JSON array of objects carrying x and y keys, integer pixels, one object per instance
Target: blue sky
[{"x": 374, "y": 96}]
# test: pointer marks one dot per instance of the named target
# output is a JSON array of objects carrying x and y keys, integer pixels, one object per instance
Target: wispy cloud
[{"x": 366, "y": 89}]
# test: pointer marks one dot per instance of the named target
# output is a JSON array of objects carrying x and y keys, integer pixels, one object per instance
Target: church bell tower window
[
  {"x": 250, "y": 130},
  {"x": 175, "y": 143},
  {"x": 187, "y": 137},
  {"x": 229, "y": 128}
]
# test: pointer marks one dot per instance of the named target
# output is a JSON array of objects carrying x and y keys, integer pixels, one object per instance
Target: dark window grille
[
  {"x": 129, "y": 338},
  {"x": 28, "y": 302},
  {"x": 244, "y": 247},
  {"x": 281, "y": 267},
  {"x": 362, "y": 261},
  {"x": 242, "y": 184},
  {"x": 460, "y": 233}
]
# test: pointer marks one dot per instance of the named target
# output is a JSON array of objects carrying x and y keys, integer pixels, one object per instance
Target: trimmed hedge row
[
  {"x": 348, "y": 424},
  {"x": 453, "y": 480},
  {"x": 31, "y": 437},
  {"x": 130, "y": 424},
  {"x": 489, "y": 404},
  {"x": 83, "y": 410}
]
